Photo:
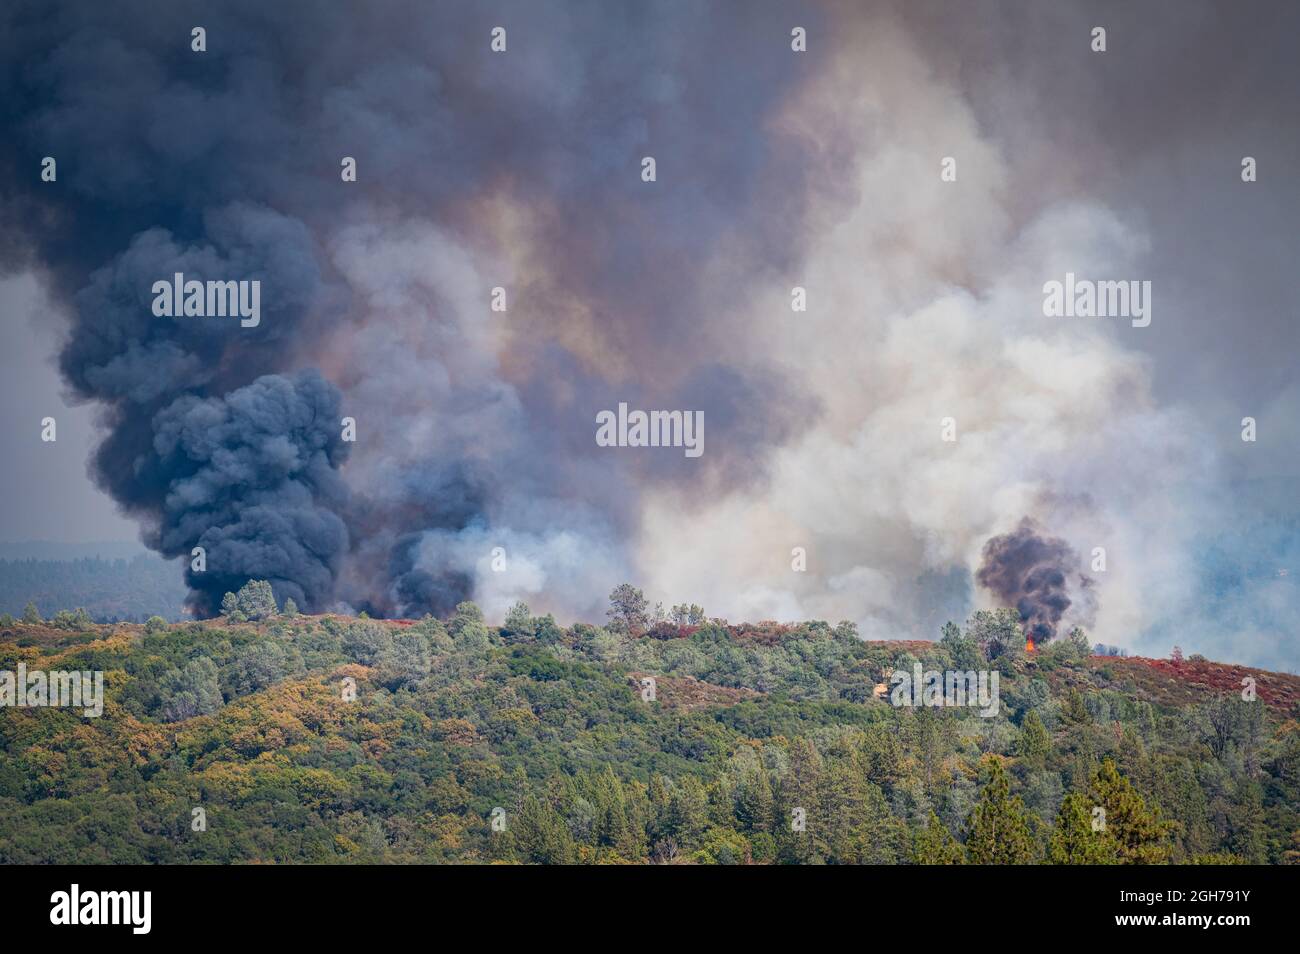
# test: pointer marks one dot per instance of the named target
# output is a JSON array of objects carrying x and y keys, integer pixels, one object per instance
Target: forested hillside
[{"x": 238, "y": 740}]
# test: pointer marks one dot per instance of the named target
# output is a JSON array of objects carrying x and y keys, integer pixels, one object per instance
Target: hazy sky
[
  {"x": 47, "y": 493},
  {"x": 775, "y": 168}
]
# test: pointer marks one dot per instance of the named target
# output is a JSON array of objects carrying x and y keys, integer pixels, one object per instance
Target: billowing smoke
[
  {"x": 252, "y": 478},
  {"x": 1033, "y": 573},
  {"x": 476, "y": 170},
  {"x": 828, "y": 488}
]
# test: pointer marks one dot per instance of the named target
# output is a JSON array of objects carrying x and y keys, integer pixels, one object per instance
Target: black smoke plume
[
  {"x": 1030, "y": 572},
  {"x": 253, "y": 479},
  {"x": 475, "y": 430}
]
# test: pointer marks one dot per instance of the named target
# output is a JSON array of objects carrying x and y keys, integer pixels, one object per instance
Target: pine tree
[
  {"x": 754, "y": 805},
  {"x": 612, "y": 828},
  {"x": 659, "y": 797},
  {"x": 964, "y": 651},
  {"x": 1140, "y": 835},
  {"x": 688, "y": 813},
  {"x": 686, "y": 614},
  {"x": 1246, "y": 823},
  {"x": 935, "y": 845},
  {"x": 31, "y": 615},
  {"x": 290, "y": 608},
  {"x": 801, "y": 789},
  {"x": 403, "y": 659},
  {"x": 996, "y": 631},
  {"x": 1074, "y": 711},
  {"x": 628, "y": 610},
  {"x": 256, "y": 601},
  {"x": 997, "y": 831},
  {"x": 519, "y": 622},
  {"x": 193, "y": 691},
  {"x": 1074, "y": 842},
  {"x": 854, "y": 824},
  {"x": 1033, "y": 743},
  {"x": 466, "y": 626},
  {"x": 541, "y": 836}
]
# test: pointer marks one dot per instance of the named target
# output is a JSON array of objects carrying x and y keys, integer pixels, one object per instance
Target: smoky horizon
[{"x": 887, "y": 313}]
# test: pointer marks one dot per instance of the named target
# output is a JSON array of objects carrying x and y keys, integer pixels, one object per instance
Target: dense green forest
[{"x": 267, "y": 736}]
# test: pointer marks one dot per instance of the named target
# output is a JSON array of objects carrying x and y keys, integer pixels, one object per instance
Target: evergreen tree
[
  {"x": 78, "y": 619},
  {"x": 366, "y": 641},
  {"x": 801, "y": 789},
  {"x": 686, "y": 614},
  {"x": 997, "y": 831},
  {"x": 31, "y": 615},
  {"x": 194, "y": 691},
  {"x": 611, "y": 825},
  {"x": 256, "y": 601},
  {"x": 855, "y": 824},
  {"x": 403, "y": 659},
  {"x": 1033, "y": 744},
  {"x": 466, "y": 626},
  {"x": 628, "y": 610},
  {"x": 290, "y": 608},
  {"x": 1073, "y": 841},
  {"x": 1140, "y": 836},
  {"x": 1291, "y": 856},
  {"x": 722, "y": 802},
  {"x": 964, "y": 651},
  {"x": 659, "y": 821},
  {"x": 1078, "y": 643},
  {"x": 546, "y": 630},
  {"x": 519, "y": 622},
  {"x": 256, "y": 666},
  {"x": 930, "y": 739},
  {"x": 935, "y": 845},
  {"x": 540, "y": 835},
  {"x": 754, "y": 805},
  {"x": 884, "y": 753},
  {"x": 230, "y": 607},
  {"x": 687, "y": 813},
  {"x": 1246, "y": 822},
  {"x": 1074, "y": 711},
  {"x": 996, "y": 631}
]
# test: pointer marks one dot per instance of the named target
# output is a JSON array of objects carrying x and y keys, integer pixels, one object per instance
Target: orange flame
[{"x": 1029, "y": 644}]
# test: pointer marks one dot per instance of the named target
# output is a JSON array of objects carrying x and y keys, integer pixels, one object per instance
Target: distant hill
[
  {"x": 707, "y": 743},
  {"x": 132, "y": 586},
  {"x": 53, "y": 550}
]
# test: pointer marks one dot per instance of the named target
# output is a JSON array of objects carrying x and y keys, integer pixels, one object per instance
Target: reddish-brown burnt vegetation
[
  {"x": 667, "y": 630},
  {"x": 1167, "y": 682},
  {"x": 687, "y": 693}
]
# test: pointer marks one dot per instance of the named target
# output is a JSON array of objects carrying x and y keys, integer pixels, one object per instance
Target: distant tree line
[{"x": 118, "y": 590}]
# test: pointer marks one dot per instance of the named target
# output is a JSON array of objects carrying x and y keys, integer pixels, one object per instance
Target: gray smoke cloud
[
  {"x": 475, "y": 428},
  {"x": 1032, "y": 573},
  {"x": 775, "y": 169}
]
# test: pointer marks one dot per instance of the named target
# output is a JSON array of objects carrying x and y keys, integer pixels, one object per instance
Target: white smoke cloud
[{"x": 925, "y": 302}]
